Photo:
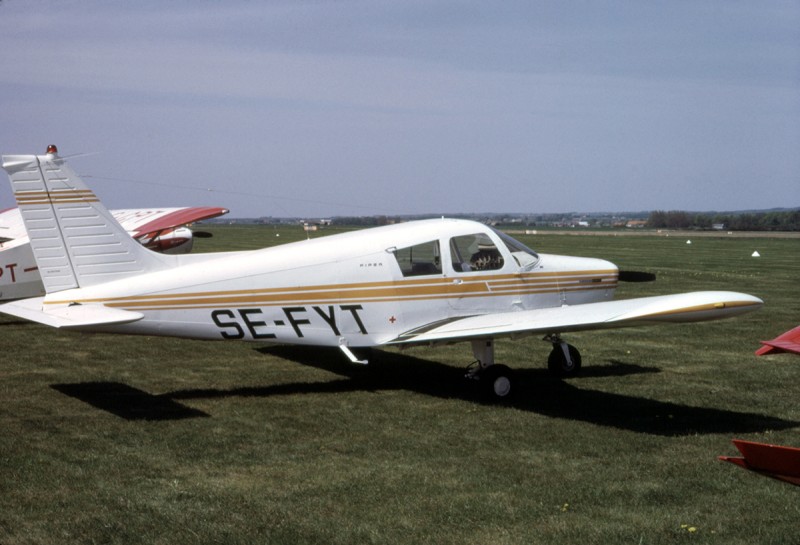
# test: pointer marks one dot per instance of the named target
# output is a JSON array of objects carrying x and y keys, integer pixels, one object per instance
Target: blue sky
[{"x": 293, "y": 108}]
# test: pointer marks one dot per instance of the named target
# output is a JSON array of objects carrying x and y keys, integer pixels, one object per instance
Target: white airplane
[
  {"x": 160, "y": 229},
  {"x": 423, "y": 282}
]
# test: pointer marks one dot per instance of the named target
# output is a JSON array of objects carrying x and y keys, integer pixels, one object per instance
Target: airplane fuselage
[{"x": 362, "y": 288}]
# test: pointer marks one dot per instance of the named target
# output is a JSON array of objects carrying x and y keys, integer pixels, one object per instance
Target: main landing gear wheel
[
  {"x": 564, "y": 360},
  {"x": 496, "y": 381}
]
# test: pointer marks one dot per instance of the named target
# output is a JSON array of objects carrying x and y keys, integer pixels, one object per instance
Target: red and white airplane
[
  {"x": 160, "y": 229},
  {"x": 424, "y": 282}
]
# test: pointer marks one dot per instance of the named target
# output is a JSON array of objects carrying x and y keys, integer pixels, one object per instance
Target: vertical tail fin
[{"x": 76, "y": 242}]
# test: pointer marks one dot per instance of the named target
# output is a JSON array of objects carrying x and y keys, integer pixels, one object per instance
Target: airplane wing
[
  {"x": 144, "y": 222},
  {"x": 139, "y": 222},
  {"x": 787, "y": 342},
  {"x": 683, "y": 307},
  {"x": 776, "y": 461}
]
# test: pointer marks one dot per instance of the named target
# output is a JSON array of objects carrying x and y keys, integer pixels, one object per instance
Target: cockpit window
[
  {"x": 524, "y": 256},
  {"x": 475, "y": 253},
  {"x": 420, "y": 260}
]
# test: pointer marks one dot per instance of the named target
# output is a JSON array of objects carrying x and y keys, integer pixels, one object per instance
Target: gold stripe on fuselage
[
  {"x": 558, "y": 277},
  {"x": 386, "y": 291}
]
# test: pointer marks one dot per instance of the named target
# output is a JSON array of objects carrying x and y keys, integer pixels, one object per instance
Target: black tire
[
  {"x": 497, "y": 381},
  {"x": 558, "y": 365}
]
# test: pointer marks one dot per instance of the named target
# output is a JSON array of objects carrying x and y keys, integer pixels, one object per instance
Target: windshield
[
  {"x": 524, "y": 256},
  {"x": 475, "y": 252}
]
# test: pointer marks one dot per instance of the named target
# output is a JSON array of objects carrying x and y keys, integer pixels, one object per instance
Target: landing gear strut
[
  {"x": 495, "y": 379},
  {"x": 564, "y": 360}
]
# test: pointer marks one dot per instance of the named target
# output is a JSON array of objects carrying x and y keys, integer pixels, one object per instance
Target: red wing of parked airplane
[
  {"x": 148, "y": 222},
  {"x": 788, "y": 342},
  {"x": 774, "y": 461},
  {"x": 160, "y": 229},
  {"x": 165, "y": 230}
]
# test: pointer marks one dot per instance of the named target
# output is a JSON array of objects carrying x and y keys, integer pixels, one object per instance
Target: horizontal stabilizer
[{"x": 71, "y": 316}]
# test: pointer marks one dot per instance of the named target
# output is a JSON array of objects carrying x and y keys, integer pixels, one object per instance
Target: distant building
[
  {"x": 316, "y": 225},
  {"x": 636, "y": 224}
]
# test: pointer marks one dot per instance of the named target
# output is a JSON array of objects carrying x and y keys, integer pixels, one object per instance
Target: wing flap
[
  {"x": 684, "y": 307},
  {"x": 71, "y": 316}
]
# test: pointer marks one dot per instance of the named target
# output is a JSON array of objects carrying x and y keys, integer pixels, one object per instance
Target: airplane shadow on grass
[
  {"x": 127, "y": 402},
  {"x": 535, "y": 391}
]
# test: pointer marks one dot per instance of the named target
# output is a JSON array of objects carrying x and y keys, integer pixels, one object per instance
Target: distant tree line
[
  {"x": 783, "y": 220},
  {"x": 362, "y": 221}
]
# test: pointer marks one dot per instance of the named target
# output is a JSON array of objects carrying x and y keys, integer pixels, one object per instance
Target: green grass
[{"x": 109, "y": 439}]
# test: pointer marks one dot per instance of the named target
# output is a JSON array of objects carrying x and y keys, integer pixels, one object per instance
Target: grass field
[{"x": 107, "y": 439}]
